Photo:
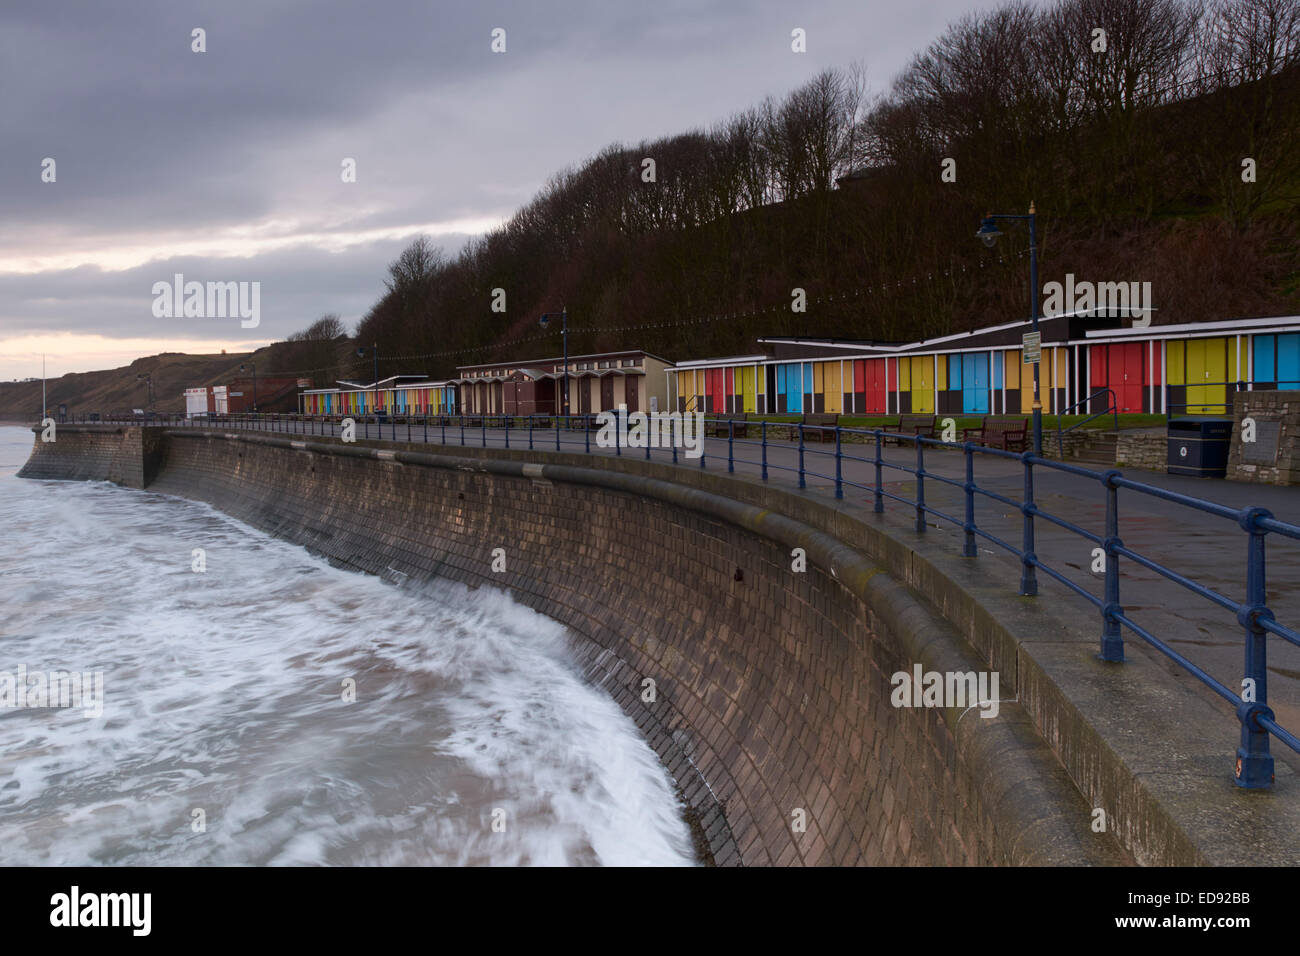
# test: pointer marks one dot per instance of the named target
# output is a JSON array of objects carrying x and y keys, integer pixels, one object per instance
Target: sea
[{"x": 242, "y": 702}]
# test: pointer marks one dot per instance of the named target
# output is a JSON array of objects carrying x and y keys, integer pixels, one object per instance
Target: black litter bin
[{"x": 1199, "y": 446}]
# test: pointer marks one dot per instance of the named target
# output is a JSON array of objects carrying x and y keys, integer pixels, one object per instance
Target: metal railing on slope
[
  {"x": 1112, "y": 409},
  {"x": 1254, "y": 763}
]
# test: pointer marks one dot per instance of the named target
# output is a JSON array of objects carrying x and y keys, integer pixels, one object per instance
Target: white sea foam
[{"x": 223, "y": 693}]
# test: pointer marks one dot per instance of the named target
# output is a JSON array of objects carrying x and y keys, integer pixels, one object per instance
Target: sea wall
[
  {"x": 124, "y": 454},
  {"x": 764, "y": 689}
]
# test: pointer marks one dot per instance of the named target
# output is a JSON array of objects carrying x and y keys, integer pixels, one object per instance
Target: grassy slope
[{"x": 118, "y": 389}]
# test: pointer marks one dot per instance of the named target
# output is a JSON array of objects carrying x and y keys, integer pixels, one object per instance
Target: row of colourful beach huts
[{"x": 1086, "y": 363}]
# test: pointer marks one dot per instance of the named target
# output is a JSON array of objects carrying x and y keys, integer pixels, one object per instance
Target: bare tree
[
  {"x": 325, "y": 329},
  {"x": 417, "y": 264},
  {"x": 814, "y": 134},
  {"x": 1247, "y": 40},
  {"x": 1245, "y": 50}
]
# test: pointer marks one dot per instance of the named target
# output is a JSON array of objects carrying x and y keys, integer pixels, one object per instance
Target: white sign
[{"x": 1032, "y": 346}]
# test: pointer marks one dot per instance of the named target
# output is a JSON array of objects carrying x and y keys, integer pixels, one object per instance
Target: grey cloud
[{"x": 152, "y": 139}]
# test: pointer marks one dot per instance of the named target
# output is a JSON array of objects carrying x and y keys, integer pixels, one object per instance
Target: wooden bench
[
  {"x": 1000, "y": 431},
  {"x": 922, "y": 425},
  {"x": 718, "y": 425},
  {"x": 580, "y": 422},
  {"x": 820, "y": 426}
]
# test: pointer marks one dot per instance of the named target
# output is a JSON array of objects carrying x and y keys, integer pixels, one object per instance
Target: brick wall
[{"x": 772, "y": 687}]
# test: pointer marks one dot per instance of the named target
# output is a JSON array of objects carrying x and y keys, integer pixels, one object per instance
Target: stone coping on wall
[{"x": 1148, "y": 747}]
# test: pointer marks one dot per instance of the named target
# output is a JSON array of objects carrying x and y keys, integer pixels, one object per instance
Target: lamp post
[
  {"x": 244, "y": 368},
  {"x": 374, "y": 352},
  {"x": 988, "y": 234},
  {"x": 544, "y": 321},
  {"x": 147, "y": 378}
]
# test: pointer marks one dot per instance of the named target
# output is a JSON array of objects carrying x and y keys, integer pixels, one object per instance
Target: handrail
[
  {"x": 1112, "y": 409},
  {"x": 1254, "y": 764}
]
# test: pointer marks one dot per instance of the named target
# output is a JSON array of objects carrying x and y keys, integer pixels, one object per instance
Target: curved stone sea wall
[{"x": 771, "y": 687}]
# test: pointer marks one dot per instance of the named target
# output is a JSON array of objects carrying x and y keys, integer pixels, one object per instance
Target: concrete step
[{"x": 1099, "y": 450}]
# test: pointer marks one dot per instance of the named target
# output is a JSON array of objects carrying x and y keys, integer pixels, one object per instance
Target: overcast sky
[{"x": 226, "y": 165}]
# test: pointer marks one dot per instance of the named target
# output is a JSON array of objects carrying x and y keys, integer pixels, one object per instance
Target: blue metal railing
[{"x": 1254, "y": 764}]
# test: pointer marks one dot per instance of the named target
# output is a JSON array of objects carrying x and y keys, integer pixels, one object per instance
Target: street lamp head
[
  {"x": 988, "y": 232},
  {"x": 361, "y": 353},
  {"x": 544, "y": 321}
]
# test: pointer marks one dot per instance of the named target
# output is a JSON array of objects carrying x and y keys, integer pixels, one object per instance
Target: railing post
[
  {"x": 557, "y": 432},
  {"x": 586, "y": 428},
  {"x": 968, "y": 547},
  {"x": 704, "y": 432},
  {"x": 483, "y": 426},
  {"x": 839, "y": 462},
  {"x": 507, "y": 431},
  {"x": 530, "y": 432},
  {"x": 802, "y": 483},
  {"x": 920, "y": 484},
  {"x": 731, "y": 446},
  {"x": 1254, "y": 769},
  {"x": 880, "y": 498},
  {"x": 1112, "y": 636},
  {"x": 763, "y": 435},
  {"x": 618, "y": 428},
  {"x": 1028, "y": 572},
  {"x": 462, "y": 429}
]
